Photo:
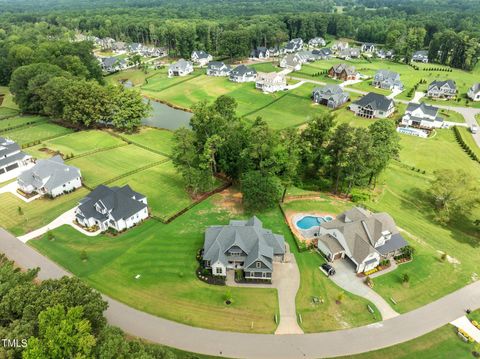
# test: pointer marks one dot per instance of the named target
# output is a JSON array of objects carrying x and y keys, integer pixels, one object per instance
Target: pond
[{"x": 164, "y": 116}]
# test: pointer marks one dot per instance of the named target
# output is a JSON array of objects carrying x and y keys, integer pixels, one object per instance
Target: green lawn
[
  {"x": 103, "y": 166},
  {"x": 154, "y": 138},
  {"x": 160, "y": 81},
  {"x": 6, "y": 112},
  {"x": 468, "y": 139},
  {"x": 77, "y": 143},
  {"x": 441, "y": 343},
  {"x": 266, "y": 67},
  {"x": 164, "y": 188},
  {"x": 8, "y": 102},
  {"x": 35, "y": 214},
  {"x": 26, "y": 136},
  {"x": 164, "y": 256},
  {"x": 10, "y": 122},
  {"x": 136, "y": 76}
]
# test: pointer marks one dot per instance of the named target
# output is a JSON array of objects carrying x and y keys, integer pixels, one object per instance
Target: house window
[
  {"x": 258, "y": 265},
  {"x": 218, "y": 270}
]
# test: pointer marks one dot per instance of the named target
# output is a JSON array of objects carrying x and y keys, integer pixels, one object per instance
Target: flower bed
[
  {"x": 464, "y": 335},
  {"x": 205, "y": 275}
]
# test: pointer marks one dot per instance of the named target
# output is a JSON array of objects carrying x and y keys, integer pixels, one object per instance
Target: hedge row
[{"x": 464, "y": 145}]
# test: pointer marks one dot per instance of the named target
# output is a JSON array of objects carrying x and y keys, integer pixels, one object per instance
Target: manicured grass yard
[
  {"x": 468, "y": 138},
  {"x": 37, "y": 132},
  {"x": 154, "y": 138},
  {"x": 19, "y": 121},
  {"x": 136, "y": 76},
  {"x": 163, "y": 186},
  {"x": 103, "y": 166},
  {"x": 77, "y": 143},
  {"x": 6, "y": 112},
  {"x": 164, "y": 256},
  {"x": 160, "y": 81},
  {"x": 8, "y": 102},
  {"x": 35, "y": 214}
]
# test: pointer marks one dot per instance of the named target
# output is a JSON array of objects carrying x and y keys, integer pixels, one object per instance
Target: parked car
[
  {"x": 474, "y": 129},
  {"x": 328, "y": 268}
]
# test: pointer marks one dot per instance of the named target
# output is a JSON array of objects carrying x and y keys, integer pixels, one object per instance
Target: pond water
[{"x": 164, "y": 116}]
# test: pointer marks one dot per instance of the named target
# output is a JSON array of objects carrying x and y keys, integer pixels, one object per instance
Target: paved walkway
[
  {"x": 263, "y": 346},
  {"x": 418, "y": 95},
  {"x": 394, "y": 93},
  {"x": 286, "y": 279},
  {"x": 12, "y": 188},
  {"x": 466, "y": 325},
  {"x": 66, "y": 218},
  {"x": 347, "y": 279}
]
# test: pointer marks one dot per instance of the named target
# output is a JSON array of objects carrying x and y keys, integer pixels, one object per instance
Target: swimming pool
[{"x": 308, "y": 222}]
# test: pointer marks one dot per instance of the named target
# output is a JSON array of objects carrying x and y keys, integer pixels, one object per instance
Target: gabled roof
[
  {"x": 438, "y": 84},
  {"x": 49, "y": 174},
  {"x": 375, "y": 101},
  {"x": 328, "y": 90},
  {"x": 217, "y": 65},
  {"x": 382, "y": 75},
  {"x": 180, "y": 65},
  {"x": 426, "y": 109},
  {"x": 475, "y": 87},
  {"x": 349, "y": 69},
  {"x": 200, "y": 54},
  {"x": 242, "y": 70}
]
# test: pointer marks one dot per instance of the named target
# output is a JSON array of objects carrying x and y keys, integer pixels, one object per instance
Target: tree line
[
  {"x": 265, "y": 162},
  {"x": 61, "y": 318}
]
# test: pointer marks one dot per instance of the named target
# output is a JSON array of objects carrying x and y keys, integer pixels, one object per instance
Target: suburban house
[
  {"x": 260, "y": 52},
  {"x": 112, "y": 207},
  {"x": 343, "y": 72},
  {"x": 323, "y": 53},
  {"x": 365, "y": 238},
  {"x": 217, "y": 68},
  {"x": 387, "y": 80},
  {"x": 50, "y": 177},
  {"x": 270, "y": 81},
  {"x": 135, "y": 48},
  {"x": 474, "y": 92},
  {"x": 373, "y": 105},
  {"x": 243, "y": 245},
  {"x": 180, "y": 68},
  {"x": 442, "y": 89},
  {"x": 274, "y": 51},
  {"x": 382, "y": 54},
  {"x": 112, "y": 64},
  {"x": 317, "y": 42},
  {"x": 422, "y": 115},
  {"x": 243, "y": 73},
  {"x": 420, "y": 56},
  {"x": 293, "y": 45},
  {"x": 292, "y": 62},
  {"x": 119, "y": 47},
  {"x": 306, "y": 56},
  {"x": 201, "y": 57},
  {"x": 349, "y": 53},
  {"x": 11, "y": 157},
  {"x": 106, "y": 43},
  {"x": 152, "y": 51},
  {"x": 339, "y": 46},
  {"x": 368, "y": 47},
  {"x": 331, "y": 96}
]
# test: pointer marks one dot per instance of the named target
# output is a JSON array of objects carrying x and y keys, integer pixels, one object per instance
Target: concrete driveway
[
  {"x": 286, "y": 279},
  {"x": 347, "y": 279},
  {"x": 12, "y": 188}
]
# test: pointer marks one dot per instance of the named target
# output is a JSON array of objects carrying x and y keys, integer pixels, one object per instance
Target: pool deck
[{"x": 293, "y": 217}]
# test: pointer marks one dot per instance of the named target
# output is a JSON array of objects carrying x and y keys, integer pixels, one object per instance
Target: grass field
[
  {"x": 15, "y": 121},
  {"x": 135, "y": 76},
  {"x": 77, "y": 143},
  {"x": 8, "y": 102},
  {"x": 28, "y": 135},
  {"x": 103, "y": 166},
  {"x": 35, "y": 214},
  {"x": 6, "y": 112},
  {"x": 160, "y": 81},
  {"x": 468, "y": 139},
  {"x": 164, "y": 256},
  {"x": 154, "y": 138},
  {"x": 164, "y": 188}
]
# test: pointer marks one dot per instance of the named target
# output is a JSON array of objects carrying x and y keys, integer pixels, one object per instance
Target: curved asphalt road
[{"x": 263, "y": 346}]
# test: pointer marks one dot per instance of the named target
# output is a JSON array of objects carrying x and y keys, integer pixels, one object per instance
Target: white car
[{"x": 474, "y": 129}]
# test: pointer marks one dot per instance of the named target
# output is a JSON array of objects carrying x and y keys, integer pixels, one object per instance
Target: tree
[
  {"x": 453, "y": 192},
  {"x": 128, "y": 108},
  {"x": 61, "y": 334},
  {"x": 338, "y": 149},
  {"x": 260, "y": 190},
  {"x": 405, "y": 278}
]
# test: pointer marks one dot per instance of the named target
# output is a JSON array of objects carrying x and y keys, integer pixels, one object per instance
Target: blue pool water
[{"x": 308, "y": 222}]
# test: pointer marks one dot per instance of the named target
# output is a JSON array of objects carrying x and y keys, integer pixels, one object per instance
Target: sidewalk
[{"x": 466, "y": 325}]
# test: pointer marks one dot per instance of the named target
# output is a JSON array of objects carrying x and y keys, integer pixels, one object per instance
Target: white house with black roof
[
  {"x": 368, "y": 47},
  {"x": 293, "y": 45},
  {"x": 201, "y": 57},
  {"x": 422, "y": 115},
  {"x": 373, "y": 105},
  {"x": 112, "y": 64},
  {"x": 446, "y": 89},
  {"x": 317, "y": 42},
  {"x": 420, "y": 56},
  {"x": 119, "y": 208},
  {"x": 260, "y": 52},
  {"x": 12, "y": 159},
  {"x": 180, "y": 68},
  {"x": 217, "y": 68},
  {"x": 50, "y": 177},
  {"x": 364, "y": 237},
  {"x": 243, "y": 73},
  {"x": 243, "y": 245}
]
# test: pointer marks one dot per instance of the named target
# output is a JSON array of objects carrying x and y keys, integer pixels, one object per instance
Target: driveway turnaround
[
  {"x": 346, "y": 279},
  {"x": 263, "y": 346},
  {"x": 466, "y": 325}
]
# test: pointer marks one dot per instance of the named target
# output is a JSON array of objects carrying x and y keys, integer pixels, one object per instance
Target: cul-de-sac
[{"x": 239, "y": 179}]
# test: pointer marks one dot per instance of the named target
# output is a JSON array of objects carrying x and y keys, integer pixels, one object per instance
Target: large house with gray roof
[
  {"x": 442, "y": 89},
  {"x": 270, "y": 82},
  {"x": 242, "y": 245},
  {"x": 180, "y": 68},
  {"x": 11, "y": 158},
  {"x": 387, "y": 80},
  {"x": 373, "y": 105},
  {"x": 293, "y": 45},
  {"x": 474, "y": 92},
  {"x": 317, "y": 42},
  {"x": 50, "y": 177},
  {"x": 422, "y": 115},
  {"x": 243, "y": 73},
  {"x": 260, "y": 52},
  {"x": 112, "y": 207},
  {"x": 292, "y": 62},
  {"x": 331, "y": 96},
  {"x": 343, "y": 72},
  {"x": 420, "y": 56},
  {"x": 364, "y": 237},
  {"x": 218, "y": 68},
  {"x": 201, "y": 57}
]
